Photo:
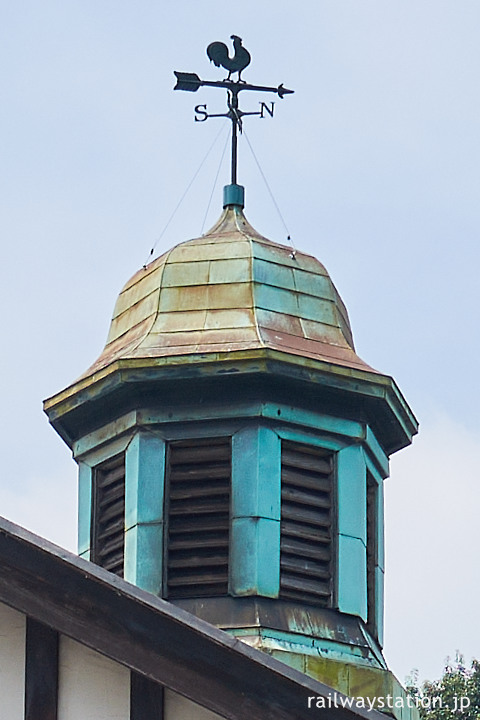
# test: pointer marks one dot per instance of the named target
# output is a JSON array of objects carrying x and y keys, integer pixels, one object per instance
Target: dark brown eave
[
  {"x": 152, "y": 637},
  {"x": 121, "y": 385}
]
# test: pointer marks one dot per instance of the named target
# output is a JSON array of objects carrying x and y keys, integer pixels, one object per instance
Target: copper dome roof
[{"x": 231, "y": 289}]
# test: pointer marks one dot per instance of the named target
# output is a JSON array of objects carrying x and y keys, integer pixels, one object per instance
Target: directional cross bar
[
  {"x": 218, "y": 54},
  {"x": 191, "y": 82}
]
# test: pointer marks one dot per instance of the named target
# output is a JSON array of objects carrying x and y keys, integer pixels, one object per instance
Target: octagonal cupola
[{"x": 232, "y": 446}]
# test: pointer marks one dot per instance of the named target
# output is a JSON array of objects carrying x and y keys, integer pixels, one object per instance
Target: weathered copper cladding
[
  {"x": 223, "y": 308},
  {"x": 230, "y": 290}
]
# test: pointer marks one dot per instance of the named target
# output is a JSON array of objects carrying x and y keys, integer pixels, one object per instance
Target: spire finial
[{"x": 219, "y": 55}]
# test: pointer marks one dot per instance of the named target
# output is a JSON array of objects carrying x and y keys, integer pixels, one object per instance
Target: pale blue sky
[{"x": 375, "y": 165}]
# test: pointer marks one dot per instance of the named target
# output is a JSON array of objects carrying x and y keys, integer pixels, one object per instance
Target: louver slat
[
  {"x": 199, "y": 474},
  {"x": 303, "y": 481},
  {"x": 108, "y": 540},
  {"x": 306, "y": 524}
]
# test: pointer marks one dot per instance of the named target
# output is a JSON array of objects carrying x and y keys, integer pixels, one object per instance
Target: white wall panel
[
  {"x": 91, "y": 687},
  {"x": 12, "y": 663},
  {"x": 179, "y": 708}
]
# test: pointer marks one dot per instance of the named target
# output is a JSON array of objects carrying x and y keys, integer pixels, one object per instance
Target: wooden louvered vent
[
  {"x": 306, "y": 550},
  {"x": 108, "y": 537},
  {"x": 198, "y": 501}
]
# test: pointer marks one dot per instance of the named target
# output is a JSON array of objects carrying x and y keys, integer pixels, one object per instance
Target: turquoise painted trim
[
  {"x": 380, "y": 603},
  {"x": 145, "y": 479},
  {"x": 97, "y": 446},
  {"x": 348, "y": 430},
  {"x": 255, "y": 557},
  {"x": 144, "y": 506},
  {"x": 352, "y": 576},
  {"x": 400, "y": 410},
  {"x": 220, "y": 413},
  {"x": 256, "y": 471},
  {"x": 373, "y": 468},
  {"x": 200, "y": 428},
  {"x": 167, "y": 416},
  {"x": 379, "y": 551},
  {"x": 309, "y": 438},
  {"x": 317, "y": 421},
  {"x": 105, "y": 434},
  {"x": 380, "y": 527},
  {"x": 107, "y": 450},
  {"x": 233, "y": 195},
  {"x": 171, "y": 414},
  {"x": 85, "y": 481},
  {"x": 352, "y": 493},
  {"x": 85, "y": 555},
  {"x": 285, "y": 643},
  {"x": 143, "y": 556},
  {"x": 377, "y": 451}
]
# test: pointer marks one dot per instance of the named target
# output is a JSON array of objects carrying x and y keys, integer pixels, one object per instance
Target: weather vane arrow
[
  {"x": 191, "y": 82},
  {"x": 219, "y": 55}
]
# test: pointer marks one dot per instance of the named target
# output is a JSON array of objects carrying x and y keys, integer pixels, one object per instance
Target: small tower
[{"x": 232, "y": 449}]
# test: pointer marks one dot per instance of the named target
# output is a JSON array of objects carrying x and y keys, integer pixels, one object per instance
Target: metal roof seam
[{"x": 253, "y": 284}]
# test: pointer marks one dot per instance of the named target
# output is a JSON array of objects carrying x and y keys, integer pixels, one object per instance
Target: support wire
[
  {"x": 270, "y": 192},
  {"x": 215, "y": 183},
  {"x": 183, "y": 197}
]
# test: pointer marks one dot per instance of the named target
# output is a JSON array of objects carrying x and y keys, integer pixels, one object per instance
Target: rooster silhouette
[{"x": 218, "y": 54}]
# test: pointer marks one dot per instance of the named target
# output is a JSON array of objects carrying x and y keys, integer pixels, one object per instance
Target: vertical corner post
[
  {"x": 144, "y": 503},
  {"x": 256, "y": 493},
  {"x": 352, "y": 531},
  {"x": 85, "y": 488}
]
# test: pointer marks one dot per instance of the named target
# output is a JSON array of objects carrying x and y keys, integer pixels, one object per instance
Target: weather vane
[{"x": 219, "y": 55}]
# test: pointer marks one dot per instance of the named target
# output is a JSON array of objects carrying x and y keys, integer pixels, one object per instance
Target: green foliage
[{"x": 456, "y": 695}]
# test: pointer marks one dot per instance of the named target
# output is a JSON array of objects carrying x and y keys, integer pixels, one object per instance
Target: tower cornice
[{"x": 375, "y": 396}]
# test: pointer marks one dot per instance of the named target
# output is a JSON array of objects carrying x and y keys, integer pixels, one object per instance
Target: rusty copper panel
[
  {"x": 279, "y": 322},
  {"x": 313, "y": 349}
]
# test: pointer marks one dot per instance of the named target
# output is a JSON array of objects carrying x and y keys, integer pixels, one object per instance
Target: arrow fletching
[{"x": 187, "y": 81}]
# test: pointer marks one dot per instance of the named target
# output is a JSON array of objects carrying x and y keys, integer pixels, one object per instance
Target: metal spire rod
[
  {"x": 218, "y": 54},
  {"x": 236, "y": 125}
]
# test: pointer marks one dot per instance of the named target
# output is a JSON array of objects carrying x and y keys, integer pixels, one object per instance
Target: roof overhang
[
  {"x": 122, "y": 384},
  {"x": 154, "y": 638}
]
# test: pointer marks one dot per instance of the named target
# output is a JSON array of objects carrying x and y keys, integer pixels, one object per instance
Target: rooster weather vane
[{"x": 219, "y": 55}]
